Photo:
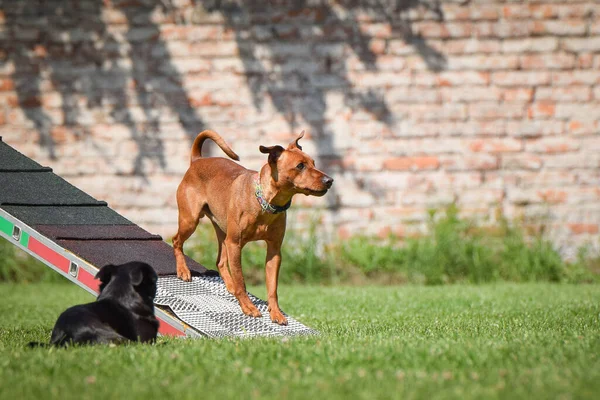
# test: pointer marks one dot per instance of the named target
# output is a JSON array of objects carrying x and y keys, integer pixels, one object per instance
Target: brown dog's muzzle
[{"x": 326, "y": 182}]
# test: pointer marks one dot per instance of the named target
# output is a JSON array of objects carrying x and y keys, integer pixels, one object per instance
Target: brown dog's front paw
[
  {"x": 184, "y": 275},
  {"x": 251, "y": 310},
  {"x": 278, "y": 317}
]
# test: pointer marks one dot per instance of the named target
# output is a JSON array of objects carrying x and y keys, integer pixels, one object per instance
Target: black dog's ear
[
  {"x": 105, "y": 274},
  {"x": 137, "y": 276},
  {"x": 141, "y": 274},
  {"x": 274, "y": 152}
]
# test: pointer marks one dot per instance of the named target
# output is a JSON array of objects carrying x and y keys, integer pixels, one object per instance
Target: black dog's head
[{"x": 128, "y": 281}]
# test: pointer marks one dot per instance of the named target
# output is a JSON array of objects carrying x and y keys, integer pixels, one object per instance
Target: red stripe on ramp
[
  {"x": 88, "y": 280},
  {"x": 165, "y": 329},
  {"x": 48, "y": 254}
]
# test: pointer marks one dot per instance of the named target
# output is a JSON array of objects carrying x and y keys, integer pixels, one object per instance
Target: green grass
[{"x": 488, "y": 341}]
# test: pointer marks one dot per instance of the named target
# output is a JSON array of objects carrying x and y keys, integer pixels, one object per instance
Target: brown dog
[{"x": 244, "y": 206}]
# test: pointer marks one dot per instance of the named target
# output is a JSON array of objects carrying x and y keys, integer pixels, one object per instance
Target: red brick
[
  {"x": 564, "y": 161},
  {"x": 583, "y": 228},
  {"x": 470, "y": 94},
  {"x": 469, "y": 46},
  {"x": 6, "y": 84},
  {"x": 377, "y": 46},
  {"x": 483, "y": 29},
  {"x": 400, "y": 47},
  {"x": 484, "y": 12},
  {"x": 583, "y": 127},
  {"x": 577, "y": 10},
  {"x": 480, "y": 196},
  {"x": 468, "y": 128},
  {"x": 541, "y": 110},
  {"x": 547, "y": 61},
  {"x": 493, "y": 145},
  {"x": 431, "y": 112},
  {"x": 376, "y": 30},
  {"x": 454, "y": 12},
  {"x": 517, "y": 95},
  {"x": 521, "y": 78},
  {"x": 510, "y": 29},
  {"x": 481, "y": 110},
  {"x": 595, "y": 27},
  {"x": 483, "y": 62},
  {"x": 581, "y": 44},
  {"x": 411, "y": 163},
  {"x": 194, "y": 33},
  {"x": 380, "y": 79},
  {"x": 483, "y": 161},
  {"x": 434, "y": 29},
  {"x": 530, "y": 45},
  {"x": 521, "y": 161},
  {"x": 560, "y": 28},
  {"x": 544, "y": 178},
  {"x": 567, "y": 78},
  {"x": 585, "y": 61},
  {"x": 551, "y": 145},
  {"x": 583, "y": 111},
  {"x": 535, "y": 128},
  {"x": 413, "y": 95},
  {"x": 568, "y": 93},
  {"x": 459, "y": 78},
  {"x": 431, "y": 29},
  {"x": 543, "y": 11},
  {"x": 553, "y": 196}
]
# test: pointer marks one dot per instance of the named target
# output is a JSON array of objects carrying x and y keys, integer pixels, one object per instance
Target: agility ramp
[{"x": 75, "y": 235}]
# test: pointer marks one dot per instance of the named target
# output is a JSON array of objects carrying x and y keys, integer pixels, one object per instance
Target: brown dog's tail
[{"x": 214, "y": 136}]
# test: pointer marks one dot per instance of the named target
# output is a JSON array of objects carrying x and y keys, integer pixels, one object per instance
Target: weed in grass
[{"x": 459, "y": 250}]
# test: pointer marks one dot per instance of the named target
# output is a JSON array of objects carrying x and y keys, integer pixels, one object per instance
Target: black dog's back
[
  {"x": 124, "y": 310},
  {"x": 100, "y": 322}
]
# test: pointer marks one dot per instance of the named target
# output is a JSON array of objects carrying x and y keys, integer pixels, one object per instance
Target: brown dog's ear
[
  {"x": 295, "y": 144},
  {"x": 274, "y": 152}
]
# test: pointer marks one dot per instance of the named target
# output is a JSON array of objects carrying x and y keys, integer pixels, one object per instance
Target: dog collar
[{"x": 264, "y": 204}]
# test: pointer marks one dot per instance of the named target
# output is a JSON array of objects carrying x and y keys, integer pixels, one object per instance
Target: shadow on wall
[
  {"x": 124, "y": 70},
  {"x": 300, "y": 76},
  {"x": 123, "y": 67}
]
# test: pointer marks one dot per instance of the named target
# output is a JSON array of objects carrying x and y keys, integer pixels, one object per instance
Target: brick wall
[{"x": 410, "y": 105}]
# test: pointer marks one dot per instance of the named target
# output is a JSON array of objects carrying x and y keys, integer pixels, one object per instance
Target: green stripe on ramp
[
  {"x": 24, "y": 239},
  {"x": 6, "y": 226}
]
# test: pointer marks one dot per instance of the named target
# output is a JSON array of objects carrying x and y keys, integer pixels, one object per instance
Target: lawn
[{"x": 458, "y": 341}]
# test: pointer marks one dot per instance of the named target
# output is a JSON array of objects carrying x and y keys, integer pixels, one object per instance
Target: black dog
[{"x": 123, "y": 311}]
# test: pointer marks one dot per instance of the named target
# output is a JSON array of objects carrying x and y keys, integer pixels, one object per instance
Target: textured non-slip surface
[
  {"x": 95, "y": 232},
  {"x": 154, "y": 252},
  {"x": 206, "y": 305},
  {"x": 41, "y": 188},
  {"x": 66, "y": 215}
]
